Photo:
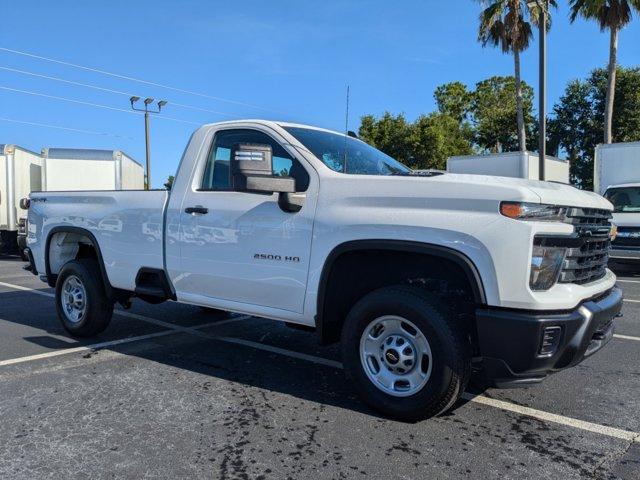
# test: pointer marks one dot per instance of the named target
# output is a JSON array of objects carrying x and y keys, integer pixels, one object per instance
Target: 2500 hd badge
[{"x": 277, "y": 258}]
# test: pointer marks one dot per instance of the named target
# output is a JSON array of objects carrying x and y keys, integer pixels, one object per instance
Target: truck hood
[
  {"x": 528, "y": 190},
  {"x": 466, "y": 190}
]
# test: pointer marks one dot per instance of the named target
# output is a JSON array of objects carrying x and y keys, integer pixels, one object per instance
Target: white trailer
[
  {"x": 616, "y": 175},
  {"x": 69, "y": 169},
  {"x": 20, "y": 174},
  {"x": 510, "y": 164}
]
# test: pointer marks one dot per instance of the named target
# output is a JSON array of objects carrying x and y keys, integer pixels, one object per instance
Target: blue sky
[{"x": 293, "y": 59}]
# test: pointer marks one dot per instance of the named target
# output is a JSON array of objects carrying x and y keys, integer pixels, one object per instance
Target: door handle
[{"x": 198, "y": 209}]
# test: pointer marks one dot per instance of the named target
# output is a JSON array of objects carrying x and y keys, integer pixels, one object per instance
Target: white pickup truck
[{"x": 423, "y": 278}]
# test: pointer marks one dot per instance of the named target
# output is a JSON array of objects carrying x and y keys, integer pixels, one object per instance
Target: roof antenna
[{"x": 346, "y": 132}]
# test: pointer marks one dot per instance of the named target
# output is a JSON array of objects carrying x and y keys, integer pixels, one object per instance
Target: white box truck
[
  {"x": 616, "y": 175},
  {"x": 69, "y": 169},
  {"x": 20, "y": 174},
  {"x": 510, "y": 164}
]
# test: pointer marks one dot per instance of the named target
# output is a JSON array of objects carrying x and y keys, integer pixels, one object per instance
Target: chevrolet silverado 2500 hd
[{"x": 421, "y": 277}]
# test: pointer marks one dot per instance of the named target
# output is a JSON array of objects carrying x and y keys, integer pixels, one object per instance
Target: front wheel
[
  {"x": 81, "y": 302},
  {"x": 405, "y": 353}
]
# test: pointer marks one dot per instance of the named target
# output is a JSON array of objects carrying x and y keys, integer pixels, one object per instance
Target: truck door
[{"x": 241, "y": 246}]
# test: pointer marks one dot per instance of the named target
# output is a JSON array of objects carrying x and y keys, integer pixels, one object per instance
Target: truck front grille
[{"x": 588, "y": 262}]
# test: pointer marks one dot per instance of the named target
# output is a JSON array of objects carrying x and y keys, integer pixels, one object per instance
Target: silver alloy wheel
[
  {"x": 396, "y": 356},
  {"x": 73, "y": 299}
]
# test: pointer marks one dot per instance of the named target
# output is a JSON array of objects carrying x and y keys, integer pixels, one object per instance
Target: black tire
[
  {"x": 451, "y": 364},
  {"x": 98, "y": 310}
]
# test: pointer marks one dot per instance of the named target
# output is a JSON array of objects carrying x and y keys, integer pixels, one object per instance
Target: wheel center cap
[{"x": 392, "y": 356}]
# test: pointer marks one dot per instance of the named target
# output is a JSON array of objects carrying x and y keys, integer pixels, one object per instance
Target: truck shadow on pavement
[
  {"x": 216, "y": 364},
  {"x": 244, "y": 373}
]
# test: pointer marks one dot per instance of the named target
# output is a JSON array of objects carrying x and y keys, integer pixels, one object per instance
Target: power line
[
  {"x": 90, "y": 104},
  {"x": 133, "y": 79},
  {"x": 27, "y": 92},
  {"x": 109, "y": 90},
  {"x": 59, "y": 127}
]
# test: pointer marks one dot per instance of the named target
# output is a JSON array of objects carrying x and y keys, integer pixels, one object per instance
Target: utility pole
[
  {"x": 147, "y": 102},
  {"x": 542, "y": 88}
]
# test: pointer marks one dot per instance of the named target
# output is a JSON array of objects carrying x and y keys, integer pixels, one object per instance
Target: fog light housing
[
  {"x": 550, "y": 341},
  {"x": 545, "y": 266}
]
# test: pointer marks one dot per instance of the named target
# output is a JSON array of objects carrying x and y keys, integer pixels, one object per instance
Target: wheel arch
[
  {"x": 326, "y": 326},
  {"x": 91, "y": 239}
]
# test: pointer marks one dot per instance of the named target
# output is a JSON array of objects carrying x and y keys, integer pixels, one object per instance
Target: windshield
[
  {"x": 346, "y": 154},
  {"x": 624, "y": 199}
]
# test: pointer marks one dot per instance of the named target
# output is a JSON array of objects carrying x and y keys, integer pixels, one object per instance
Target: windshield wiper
[
  {"x": 427, "y": 174},
  {"x": 417, "y": 174}
]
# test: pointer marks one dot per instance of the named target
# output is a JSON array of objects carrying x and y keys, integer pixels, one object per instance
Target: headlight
[
  {"x": 539, "y": 212},
  {"x": 545, "y": 266}
]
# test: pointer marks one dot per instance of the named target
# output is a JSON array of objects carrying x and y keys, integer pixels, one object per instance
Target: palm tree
[
  {"x": 505, "y": 24},
  {"x": 612, "y": 15}
]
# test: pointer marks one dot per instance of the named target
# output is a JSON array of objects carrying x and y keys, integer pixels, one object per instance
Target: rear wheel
[
  {"x": 405, "y": 353},
  {"x": 81, "y": 301}
]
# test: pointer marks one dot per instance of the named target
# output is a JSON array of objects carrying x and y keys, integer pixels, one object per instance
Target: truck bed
[{"x": 127, "y": 225}]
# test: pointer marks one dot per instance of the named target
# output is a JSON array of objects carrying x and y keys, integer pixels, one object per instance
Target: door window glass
[{"x": 217, "y": 173}]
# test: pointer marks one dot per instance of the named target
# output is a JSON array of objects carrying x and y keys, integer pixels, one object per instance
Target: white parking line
[
  {"x": 27, "y": 289},
  {"x": 626, "y": 337},
  {"x": 552, "y": 417},
  {"x": 95, "y": 346},
  {"x": 480, "y": 399},
  {"x": 173, "y": 326},
  {"x": 627, "y": 281},
  {"x": 631, "y": 301},
  {"x": 280, "y": 351}
]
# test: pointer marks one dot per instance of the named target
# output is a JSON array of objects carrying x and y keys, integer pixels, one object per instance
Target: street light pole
[
  {"x": 147, "y": 101},
  {"x": 542, "y": 88},
  {"x": 147, "y": 149}
]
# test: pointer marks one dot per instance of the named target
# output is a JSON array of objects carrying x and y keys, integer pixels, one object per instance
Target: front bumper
[{"x": 510, "y": 340}]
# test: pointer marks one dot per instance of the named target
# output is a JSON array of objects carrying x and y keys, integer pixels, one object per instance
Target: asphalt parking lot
[{"x": 171, "y": 391}]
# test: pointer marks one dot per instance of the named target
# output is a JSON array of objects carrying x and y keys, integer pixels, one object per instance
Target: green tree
[
  {"x": 425, "y": 143},
  {"x": 611, "y": 15},
  {"x": 575, "y": 127},
  {"x": 454, "y": 99},
  {"x": 505, "y": 24},
  {"x": 494, "y": 112},
  {"x": 436, "y": 137},
  {"x": 625, "y": 124},
  {"x": 169, "y": 183},
  {"x": 389, "y": 133}
]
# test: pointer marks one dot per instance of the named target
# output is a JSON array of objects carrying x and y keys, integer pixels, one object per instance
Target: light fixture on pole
[{"x": 147, "y": 101}]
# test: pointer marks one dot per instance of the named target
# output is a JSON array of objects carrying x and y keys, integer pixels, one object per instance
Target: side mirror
[
  {"x": 270, "y": 184},
  {"x": 24, "y": 203},
  {"x": 252, "y": 170}
]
